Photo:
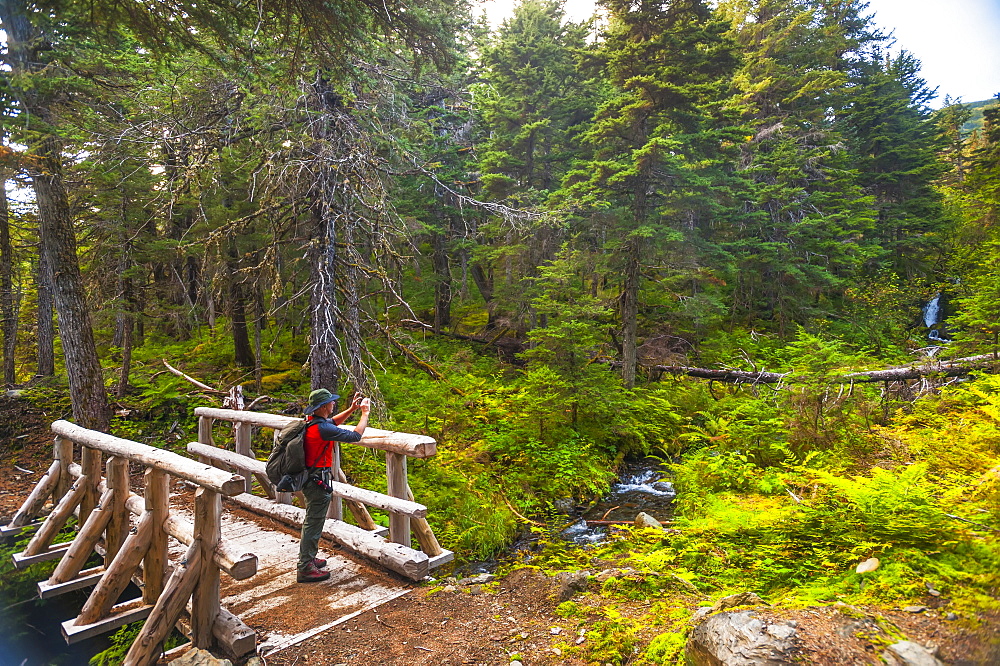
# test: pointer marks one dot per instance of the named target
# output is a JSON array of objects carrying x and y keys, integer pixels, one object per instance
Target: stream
[{"x": 641, "y": 487}]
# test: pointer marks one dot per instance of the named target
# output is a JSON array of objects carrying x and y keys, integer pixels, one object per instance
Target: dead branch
[{"x": 204, "y": 387}]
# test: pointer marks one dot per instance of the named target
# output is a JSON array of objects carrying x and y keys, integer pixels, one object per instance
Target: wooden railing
[
  {"x": 405, "y": 515},
  {"x": 103, "y": 504}
]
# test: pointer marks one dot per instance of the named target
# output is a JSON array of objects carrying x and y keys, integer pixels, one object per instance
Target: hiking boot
[
  {"x": 319, "y": 562},
  {"x": 311, "y": 574}
]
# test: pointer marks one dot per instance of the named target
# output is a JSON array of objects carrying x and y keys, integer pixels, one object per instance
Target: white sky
[{"x": 957, "y": 41}]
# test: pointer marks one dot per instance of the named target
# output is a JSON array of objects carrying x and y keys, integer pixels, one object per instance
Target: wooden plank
[
  {"x": 205, "y": 602},
  {"x": 414, "y": 446},
  {"x": 395, "y": 474},
  {"x": 167, "y": 610},
  {"x": 91, "y": 464},
  {"x": 83, "y": 544},
  {"x": 236, "y": 563},
  {"x": 393, "y": 556},
  {"x": 119, "y": 616},
  {"x": 22, "y": 560},
  {"x": 168, "y": 461},
  {"x": 441, "y": 559},
  {"x": 86, "y": 578},
  {"x": 36, "y": 498},
  {"x": 14, "y": 531},
  {"x": 118, "y": 574},
  {"x": 156, "y": 498}
]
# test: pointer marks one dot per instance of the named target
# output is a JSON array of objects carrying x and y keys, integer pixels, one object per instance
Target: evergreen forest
[{"x": 684, "y": 230}]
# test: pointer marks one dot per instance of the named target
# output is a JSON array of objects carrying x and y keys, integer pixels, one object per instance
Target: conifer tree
[{"x": 656, "y": 139}]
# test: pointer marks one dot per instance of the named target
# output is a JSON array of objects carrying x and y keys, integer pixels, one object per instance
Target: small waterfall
[{"x": 932, "y": 311}]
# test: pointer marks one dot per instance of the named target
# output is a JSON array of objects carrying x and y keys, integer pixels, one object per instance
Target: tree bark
[
  {"x": 8, "y": 306},
  {"x": 629, "y": 307},
  {"x": 324, "y": 347},
  {"x": 45, "y": 322},
  {"x": 442, "y": 278},
  {"x": 238, "y": 312},
  {"x": 86, "y": 381}
]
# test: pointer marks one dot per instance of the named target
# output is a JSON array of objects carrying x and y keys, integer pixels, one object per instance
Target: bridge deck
[{"x": 282, "y": 611}]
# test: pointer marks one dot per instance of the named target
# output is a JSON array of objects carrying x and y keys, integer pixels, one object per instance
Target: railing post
[
  {"x": 117, "y": 473},
  {"x": 205, "y": 430},
  {"x": 244, "y": 433},
  {"x": 63, "y": 452},
  {"x": 157, "y": 498},
  {"x": 91, "y": 464},
  {"x": 336, "y": 509},
  {"x": 395, "y": 474},
  {"x": 205, "y": 601}
]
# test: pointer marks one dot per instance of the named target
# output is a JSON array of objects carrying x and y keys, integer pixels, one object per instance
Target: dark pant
[{"x": 317, "y": 502}]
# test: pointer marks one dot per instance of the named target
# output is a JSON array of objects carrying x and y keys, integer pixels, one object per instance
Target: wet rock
[
  {"x": 199, "y": 657},
  {"x": 565, "y": 506},
  {"x": 480, "y": 579},
  {"x": 908, "y": 653},
  {"x": 646, "y": 520},
  {"x": 741, "y": 599},
  {"x": 740, "y": 638},
  {"x": 607, "y": 574},
  {"x": 914, "y": 609},
  {"x": 664, "y": 487},
  {"x": 571, "y": 583},
  {"x": 871, "y": 564}
]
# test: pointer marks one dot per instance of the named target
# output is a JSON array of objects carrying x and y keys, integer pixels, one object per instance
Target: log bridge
[{"x": 175, "y": 546}]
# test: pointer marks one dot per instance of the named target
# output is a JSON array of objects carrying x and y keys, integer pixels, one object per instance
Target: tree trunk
[
  {"x": 86, "y": 381},
  {"x": 629, "y": 306},
  {"x": 8, "y": 309},
  {"x": 352, "y": 310},
  {"x": 442, "y": 281},
  {"x": 324, "y": 347},
  {"x": 46, "y": 323},
  {"x": 237, "y": 304}
]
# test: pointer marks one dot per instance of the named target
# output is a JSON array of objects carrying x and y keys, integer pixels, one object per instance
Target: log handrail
[
  {"x": 405, "y": 516},
  {"x": 172, "y": 463},
  {"x": 414, "y": 446},
  {"x": 345, "y": 490}
]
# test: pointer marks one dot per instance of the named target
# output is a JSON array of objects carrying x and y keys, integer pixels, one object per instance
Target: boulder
[
  {"x": 478, "y": 579},
  {"x": 199, "y": 657},
  {"x": 740, "y": 639},
  {"x": 646, "y": 520},
  {"x": 908, "y": 653},
  {"x": 741, "y": 599},
  {"x": 571, "y": 583}
]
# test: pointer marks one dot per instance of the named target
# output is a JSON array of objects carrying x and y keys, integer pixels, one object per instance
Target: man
[{"x": 321, "y": 433}]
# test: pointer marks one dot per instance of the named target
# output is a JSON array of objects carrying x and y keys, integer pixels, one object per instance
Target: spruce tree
[{"x": 656, "y": 138}]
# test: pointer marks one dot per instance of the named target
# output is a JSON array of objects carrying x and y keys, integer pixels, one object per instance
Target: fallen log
[{"x": 946, "y": 368}]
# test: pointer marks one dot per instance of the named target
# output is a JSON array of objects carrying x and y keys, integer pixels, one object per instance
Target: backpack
[{"x": 288, "y": 457}]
